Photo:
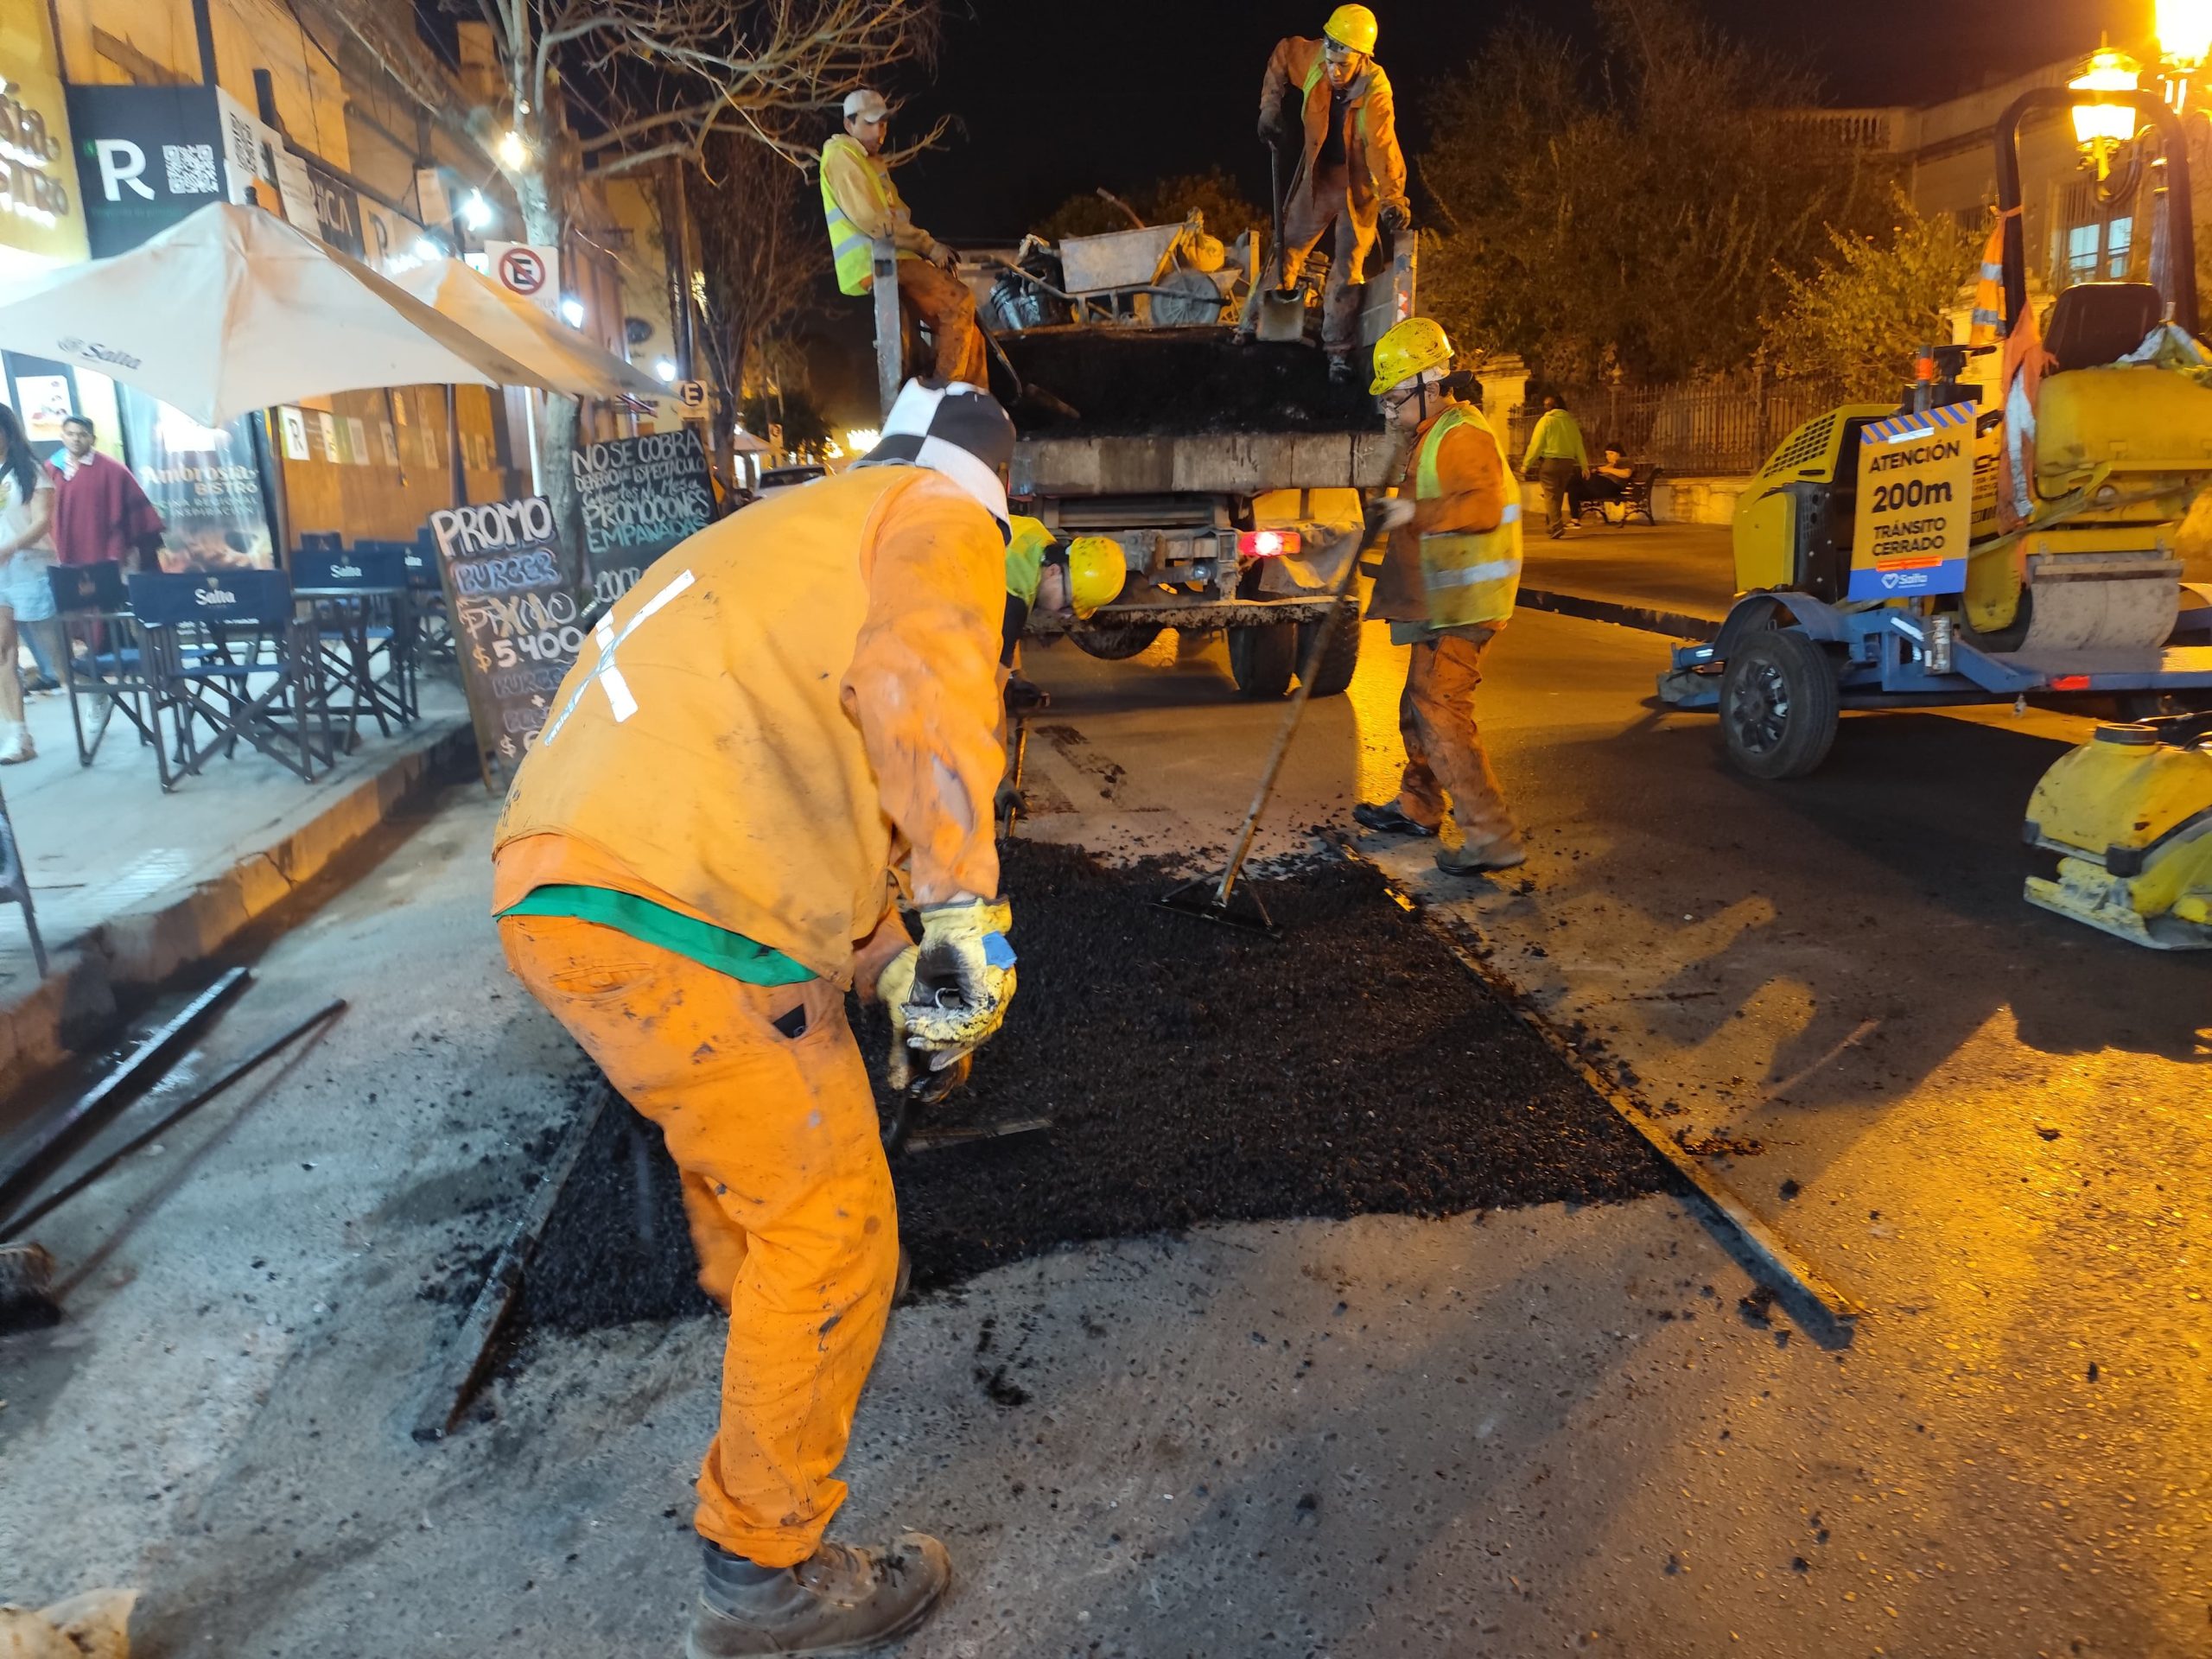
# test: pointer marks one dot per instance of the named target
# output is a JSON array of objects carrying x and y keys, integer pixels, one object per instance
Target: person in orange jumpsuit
[
  {"x": 696, "y": 860},
  {"x": 1327, "y": 111},
  {"x": 1450, "y": 575}
]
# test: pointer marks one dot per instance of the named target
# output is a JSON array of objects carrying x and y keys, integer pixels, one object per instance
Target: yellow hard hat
[
  {"x": 1351, "y": 26},
  {"x": 1095, "y": 572},
  {"x": 1414, "y": 346}
]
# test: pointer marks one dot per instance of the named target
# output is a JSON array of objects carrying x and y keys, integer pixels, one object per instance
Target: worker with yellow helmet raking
[
  {"x": 863, "y": 206},
  {"x": 1449, "y": 577},
  {"x": 1327, "y": 109}
]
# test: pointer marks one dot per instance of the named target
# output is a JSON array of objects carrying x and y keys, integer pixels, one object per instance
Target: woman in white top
[{"x": 26, "y": 555}]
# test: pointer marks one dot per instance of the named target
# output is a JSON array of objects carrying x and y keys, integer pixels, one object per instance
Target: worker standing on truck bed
[
  {"x": 1448, "y": 585},
  {"x": 1325, "y": 109},
  {"x": 696, "y": 861},
  {"x": 862, "y": 207}
]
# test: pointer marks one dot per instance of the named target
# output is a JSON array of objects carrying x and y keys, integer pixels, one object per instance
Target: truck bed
[
  {"x": 1134, "y": 382},
  {"x": 1188, "y": 411}
]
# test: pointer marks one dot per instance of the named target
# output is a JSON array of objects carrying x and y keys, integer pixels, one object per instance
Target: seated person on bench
[{"x": 1608, "y": 481}]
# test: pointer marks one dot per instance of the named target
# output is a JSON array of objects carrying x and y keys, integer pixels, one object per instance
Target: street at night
[{"x": 824, "y": 835}]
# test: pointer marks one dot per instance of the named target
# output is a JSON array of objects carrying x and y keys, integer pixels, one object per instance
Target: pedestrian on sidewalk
[
  {"x": 100, "y": 512},
  {"x": 863, "y": 207},
  {"x": 1557, "y": 461},
  {"x": 26, "y": 598},
  {"x": 1450, "y": 575},
  {"x": 1327, "y": 111},
  {"x": 795, "y": 708}
]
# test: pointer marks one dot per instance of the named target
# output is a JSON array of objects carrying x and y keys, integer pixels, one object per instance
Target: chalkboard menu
[
  {"x": 639, "y": 497},
  {"x": 514, "y": 621}
]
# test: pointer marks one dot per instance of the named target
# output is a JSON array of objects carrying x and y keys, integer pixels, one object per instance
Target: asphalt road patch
[{"x": 1192, "y": 1073}]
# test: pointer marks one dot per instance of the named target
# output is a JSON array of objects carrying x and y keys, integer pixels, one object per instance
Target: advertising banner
[
  {"x": 146, "y": 157},
  {"x": 204, "y": 481},
  {"x": 639, "y": 497},
  {"x": 1915, "y": 504}
]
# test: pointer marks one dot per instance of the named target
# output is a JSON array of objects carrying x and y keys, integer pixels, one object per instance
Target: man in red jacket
[{"x": 100, "y": 510}]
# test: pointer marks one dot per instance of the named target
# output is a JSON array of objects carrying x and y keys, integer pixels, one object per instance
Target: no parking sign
[{"x": 528, "y": 271}]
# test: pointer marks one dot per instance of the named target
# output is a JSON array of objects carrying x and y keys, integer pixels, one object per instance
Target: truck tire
[
  {"x": 1263, "y": 659},
  {"x": 1113, "y": 642},
  {"x": 1339, "y": 657},
  {"x": 1779, "y": 704}
]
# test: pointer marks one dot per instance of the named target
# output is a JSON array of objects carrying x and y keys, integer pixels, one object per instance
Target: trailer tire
[
  {"x": 1339, "y": 657},
  {"x": 1780, "y": 704},
  {"x": 1114, "y": 642},
  {"x": 1263, "y": 659}
]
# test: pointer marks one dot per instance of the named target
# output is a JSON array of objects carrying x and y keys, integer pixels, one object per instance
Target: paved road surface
[{"x": 1527, "y": 1433}]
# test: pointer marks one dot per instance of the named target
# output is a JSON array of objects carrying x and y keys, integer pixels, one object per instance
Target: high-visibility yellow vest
[
  {"x": 1469, "y": 576},
  {"x": 1313, "y": 79},
  {"x": 850, "y": 246}
]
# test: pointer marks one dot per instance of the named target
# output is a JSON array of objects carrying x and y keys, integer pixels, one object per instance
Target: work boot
[
  {"x": 840, "y": 1599},
  {"x": 1386, "y": 818},
  {"x": 1472, "y": 858}
]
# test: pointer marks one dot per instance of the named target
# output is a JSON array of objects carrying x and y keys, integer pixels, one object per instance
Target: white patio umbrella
[
  {"x": 564, "y": 359},
  {"x": 232, "y": 309}
]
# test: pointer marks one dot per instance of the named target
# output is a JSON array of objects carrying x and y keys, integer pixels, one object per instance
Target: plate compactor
[{"x": 1874, "y": 569}]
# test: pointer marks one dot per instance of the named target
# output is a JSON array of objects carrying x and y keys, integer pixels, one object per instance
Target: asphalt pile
[
  {"x": 1159, "y": 382},
  {"x": 1192, "y": 1073}
]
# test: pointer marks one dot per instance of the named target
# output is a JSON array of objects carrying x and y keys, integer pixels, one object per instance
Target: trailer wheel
[
  {"x": 1779, "y": 704},
  {"x": 1112, "y": 642},
  {"x": 1339, "y": 657},
  {"x": 1262, "y": 659}
]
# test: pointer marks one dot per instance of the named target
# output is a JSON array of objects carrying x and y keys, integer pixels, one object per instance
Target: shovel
[
  {"x": 1215, "y": 898},
  {"x": 1279, "y": 308}
]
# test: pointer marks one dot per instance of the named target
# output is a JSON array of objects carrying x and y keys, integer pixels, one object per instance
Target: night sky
[{"x": 1056, "y": 99}]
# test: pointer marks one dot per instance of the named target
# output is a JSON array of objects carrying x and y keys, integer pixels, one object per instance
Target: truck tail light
[{"x": 1266, "y": 544}]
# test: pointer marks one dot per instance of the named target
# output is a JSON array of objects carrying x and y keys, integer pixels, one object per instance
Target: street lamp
[
  {"x": 514, "y": 150},
  {"x": 475, "y": 211},
  {"x": 664, "y": 371},
  {"x": 2185, "y": 33},
  {"x": 572, "y": 312},
  {"x": 2102, "y": 126}
]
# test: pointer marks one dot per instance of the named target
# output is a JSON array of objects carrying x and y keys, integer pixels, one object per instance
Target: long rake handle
[{"x": 1306, "y": 672}]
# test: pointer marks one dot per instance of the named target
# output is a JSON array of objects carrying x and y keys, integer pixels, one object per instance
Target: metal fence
[{"x": 1726, "y": 424}]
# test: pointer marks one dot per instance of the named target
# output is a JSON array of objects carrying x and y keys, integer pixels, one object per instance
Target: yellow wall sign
[
  {"x": 38, "y": 212},
  {"x": 1915, "y": 504}
]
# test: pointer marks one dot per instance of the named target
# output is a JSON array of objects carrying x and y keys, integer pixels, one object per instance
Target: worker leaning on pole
[
  {"x": 1449, "y": 577},
  {"x": 697, "y": 861},
  {"x": 1327, "y": 109},
  {"x": 863, "y": 206}
]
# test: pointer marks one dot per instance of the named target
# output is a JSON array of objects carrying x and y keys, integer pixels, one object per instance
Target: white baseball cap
[{"x": 866, "y": 104}]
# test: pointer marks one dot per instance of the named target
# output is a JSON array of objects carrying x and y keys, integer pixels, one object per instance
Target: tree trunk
[{"x": 544, "y": 218}]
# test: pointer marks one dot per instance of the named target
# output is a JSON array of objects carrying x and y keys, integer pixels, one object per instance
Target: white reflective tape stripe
[
  {"x": 604, "y": 672},
  {"x": 1992, "y": 273},
  {"x": 1512, "y": 513},
  {"x": 1469, "y": 576}
]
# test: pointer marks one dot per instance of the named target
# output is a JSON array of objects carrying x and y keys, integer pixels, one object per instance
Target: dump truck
[{"x": 1227, "y": 469}]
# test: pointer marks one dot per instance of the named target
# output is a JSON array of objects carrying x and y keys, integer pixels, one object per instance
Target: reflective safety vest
[
  {"x": 851, "y": 247},
  {"x": 1313, "y": 79},
  {"x": 1470, "y": 577}
]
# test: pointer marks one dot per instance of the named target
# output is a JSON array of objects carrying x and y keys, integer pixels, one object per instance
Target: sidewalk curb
[
  {"x": 1678, "y": 625},
  {"x": 143, "y": 946}
]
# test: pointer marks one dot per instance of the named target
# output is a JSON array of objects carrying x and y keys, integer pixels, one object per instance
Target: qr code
[{"x": 192, "y": 170}]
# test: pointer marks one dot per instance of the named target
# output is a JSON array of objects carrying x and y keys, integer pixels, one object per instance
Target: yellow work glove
[
  {"x": 892, "y": 986},
  {"x": 962, "y": 980}
]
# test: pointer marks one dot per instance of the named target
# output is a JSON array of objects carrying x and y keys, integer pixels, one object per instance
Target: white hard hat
[{"x": 866, "y": 104}]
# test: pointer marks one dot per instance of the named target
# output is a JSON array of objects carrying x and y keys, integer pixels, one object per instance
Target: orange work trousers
[
  {"x": 941, "y": 303},
  {"x": 766, "y": 1108},
  {"x": 1444, "y": 748}
]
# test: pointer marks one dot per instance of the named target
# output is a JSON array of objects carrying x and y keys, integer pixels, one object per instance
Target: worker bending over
[
  {"x": 862, "y": 207},
  {"x": 1449, "y": 576},
  {"x": 696, "y": 862},
  {"x": 1325, "y": 109}
]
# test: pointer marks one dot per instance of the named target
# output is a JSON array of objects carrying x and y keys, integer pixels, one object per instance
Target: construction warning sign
[{"x": 1915, "y": 504}]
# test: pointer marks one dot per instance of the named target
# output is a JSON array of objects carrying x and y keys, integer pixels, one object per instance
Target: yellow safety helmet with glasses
[
  {"x": 1413, "y": 348},
  {"x": 1351, "y": 26},
  {"x": 1095, "y": 572}
]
